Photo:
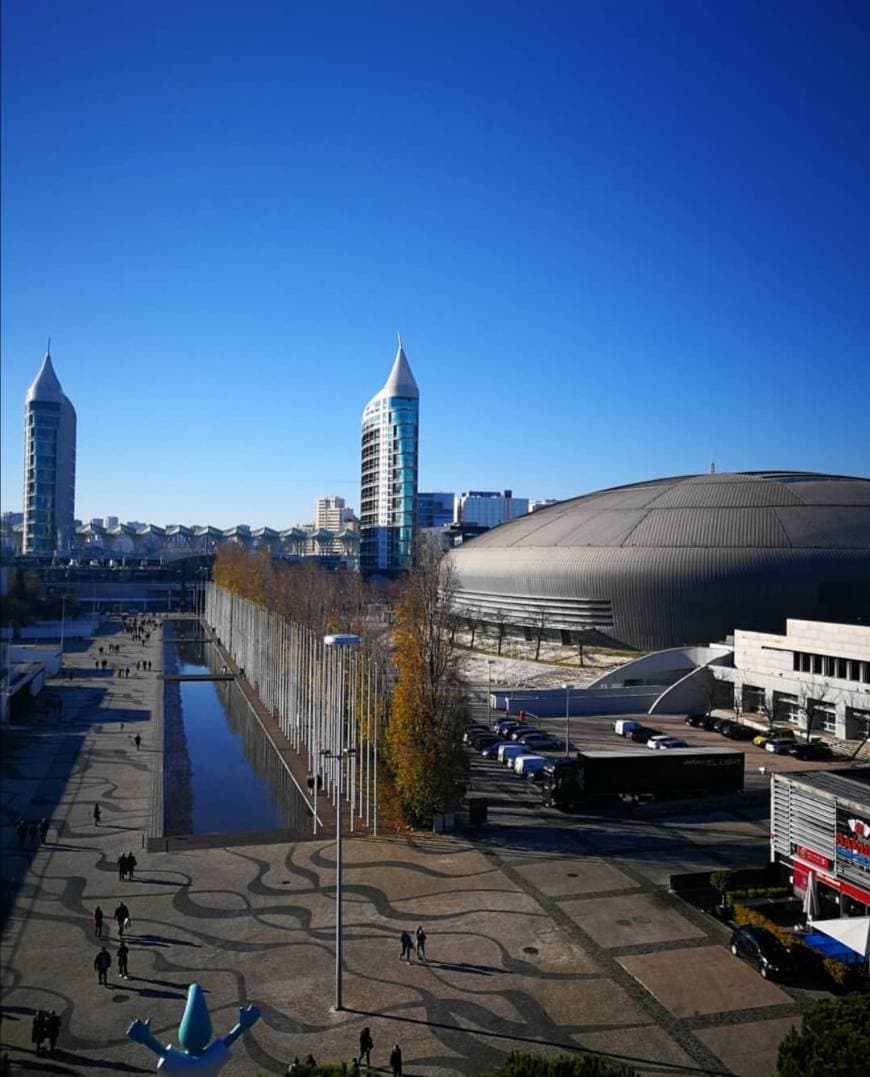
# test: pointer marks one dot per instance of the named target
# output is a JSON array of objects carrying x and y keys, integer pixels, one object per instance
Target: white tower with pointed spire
[
  {"x": 388, "y": 483},
  {"x": 49, "y": 464}
]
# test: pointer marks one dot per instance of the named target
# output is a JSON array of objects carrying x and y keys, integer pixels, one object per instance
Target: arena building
[{"x": 676, "y": 561}]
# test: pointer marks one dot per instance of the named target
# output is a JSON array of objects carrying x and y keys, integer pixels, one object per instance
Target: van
[{"x": 623, "y": 727}]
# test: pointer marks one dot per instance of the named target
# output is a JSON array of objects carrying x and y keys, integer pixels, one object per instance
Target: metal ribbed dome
[{"x": 679, "y": 560}]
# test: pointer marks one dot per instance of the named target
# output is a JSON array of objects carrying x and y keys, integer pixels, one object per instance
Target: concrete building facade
[
  {"x": 388, "y": 473},
  {"x": 815, "y": 677},
  {"x": 49, "y": 465}
]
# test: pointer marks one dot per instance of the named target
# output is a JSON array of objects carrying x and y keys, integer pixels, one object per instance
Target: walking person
[
  {"x": 123, "y": 953},
  {"x": 122, "y": 866},
  {"x": 122, "y": 915},
  {"x": 102, "y": 963},
  {"x": 137, "y": 740},
  {"x": 396, "y": 1060},
  {"x": 97, "y": 815},
  {"x": 43, "y": 829},
  {"x": 131, "y": 865},
  {"x": 37, "y": 1031},
  {"x": 21, "y": 831},
  {"x": 33, "y": 833},
  {"x": 421, "y": 944},
  {"x": 52, "y": 1030},
  {"x": 366, "y": 1044},
  {"x": 98, "y": 922},
  {"x": 407, "y": 947}
]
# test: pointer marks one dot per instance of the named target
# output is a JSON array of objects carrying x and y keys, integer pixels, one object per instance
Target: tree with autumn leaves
[{"x": 430, "y": 703}]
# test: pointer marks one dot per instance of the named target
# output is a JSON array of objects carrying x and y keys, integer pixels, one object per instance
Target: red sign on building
[{"x": 811, "y": 857}]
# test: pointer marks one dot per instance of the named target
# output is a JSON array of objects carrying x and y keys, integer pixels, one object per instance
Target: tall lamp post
[
  {"x": 341, "y": 643},
  {"x": 567, "y": 688},
  {"x": 489, "y": 687}
]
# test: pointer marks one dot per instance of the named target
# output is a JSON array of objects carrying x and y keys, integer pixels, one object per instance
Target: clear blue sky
[{"x": 618, "y": 238}]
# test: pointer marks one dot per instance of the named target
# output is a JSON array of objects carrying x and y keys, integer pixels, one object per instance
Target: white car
[
  {"x": 507, "y": 752},
  {"x": 664, "y": 741},
  {"x": 525, "y": 764}
]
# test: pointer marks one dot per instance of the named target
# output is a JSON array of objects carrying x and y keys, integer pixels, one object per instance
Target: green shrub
[
  {"x": 832, "y": 1041},
  {"x": 523, "y": 1064}
]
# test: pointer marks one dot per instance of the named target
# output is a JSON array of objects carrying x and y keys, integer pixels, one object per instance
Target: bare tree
[
  {"x": 501, "y": 622},
  {"x": 540, "y": 625}
]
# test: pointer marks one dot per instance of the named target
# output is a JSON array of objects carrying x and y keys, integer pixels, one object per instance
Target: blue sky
[{"x": 618, "y": 239}]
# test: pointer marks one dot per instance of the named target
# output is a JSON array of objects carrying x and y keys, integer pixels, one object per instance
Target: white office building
[{"x": 815, "y": 677}]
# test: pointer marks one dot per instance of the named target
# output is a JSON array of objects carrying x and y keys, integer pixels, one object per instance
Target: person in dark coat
[
  {"x": 366, "y": 1043},
  {"x": 102, "y": 963},
  {"x": 123, "y": 954},
  {"x": 98, "y": 922},
  {"x": 407, "y": 947},
  {"x": 122, "y": 866},
  {"x": 131, "y": 865},
  {"x": 21, "y": 831},
  {"x": 33, "y": 832},
  {"x": 96, "y": 815},
  {"x": 43, "y": 829},
  {"x": 52, "y": 1029},
  {"x": 121, "y": 914},
  {"x": 396, "y": 1060},
  {"x": 421, "y": 944},
  {"x": 37, "y": 1031},
  {"x": 137, "y": 740}
]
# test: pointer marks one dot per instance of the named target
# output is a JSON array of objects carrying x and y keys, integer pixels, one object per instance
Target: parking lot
[{"x": 603, "y": 877}]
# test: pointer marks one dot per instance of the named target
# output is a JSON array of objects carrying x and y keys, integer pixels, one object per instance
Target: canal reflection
[{"x": 221, "y": 772}]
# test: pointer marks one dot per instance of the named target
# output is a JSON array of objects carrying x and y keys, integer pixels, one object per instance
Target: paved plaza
[{"x": 544, "y": 931}]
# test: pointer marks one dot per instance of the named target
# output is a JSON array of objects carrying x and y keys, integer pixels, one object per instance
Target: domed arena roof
[{"x": 679, "y": 560}]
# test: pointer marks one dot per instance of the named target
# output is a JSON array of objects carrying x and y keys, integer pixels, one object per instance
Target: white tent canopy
[{"x": 851, "y": 931}]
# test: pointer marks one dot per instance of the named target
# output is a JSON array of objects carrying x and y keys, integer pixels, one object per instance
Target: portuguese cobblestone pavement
[{"x": 539, "y": 934}]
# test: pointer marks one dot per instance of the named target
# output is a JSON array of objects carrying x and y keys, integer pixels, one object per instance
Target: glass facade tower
[
  {"x": 388, "y": 479},
  {"x": 49, "y": 465}
]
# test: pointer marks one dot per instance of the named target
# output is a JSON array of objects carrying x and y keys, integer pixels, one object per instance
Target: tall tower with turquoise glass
[
  {"x": 49, "y": 465},
  {"x": 388, "y": 476}
]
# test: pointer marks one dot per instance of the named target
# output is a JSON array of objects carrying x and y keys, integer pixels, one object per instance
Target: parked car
[
  {"x": 761, "y": 948},
  {"x": 696, "y": 720},
  {"x": 780, "y": 745},
  {"x": 525, "y": 764},
  {"x": 505, "y": 725},
  {"x": 509, "y": 750},
  {"x": 490, "y": 751},
  {"x": 736, "y": 731},
  {"x": 479, "y": 741},
  {"x": 814, "y": 749},
  {"x": 540, "y": 740},
  {"x": 523, "y": 730},
  {"x": 643, "y": 733},
  {"x": 666, "y": 742},
  {"x": 472, "y": 731}
]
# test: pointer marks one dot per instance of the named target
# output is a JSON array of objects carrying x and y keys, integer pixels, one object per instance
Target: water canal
[{"x": 221, "y": 773}]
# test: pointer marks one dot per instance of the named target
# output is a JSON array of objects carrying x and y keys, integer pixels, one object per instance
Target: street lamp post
[
  {"x": 567, "y": 688},
  {"x": 489, "y": 687},
  {"x": 340, "y": 642}
]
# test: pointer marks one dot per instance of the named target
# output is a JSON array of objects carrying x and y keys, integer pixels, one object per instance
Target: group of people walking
[
  {"x": 35, "y": 833},
  {"x": 103, "y": 960},
  {"x": 46, "y": 1026},
  {"x": 408, "y": 945},
  {"x": 126, "y": 866}
]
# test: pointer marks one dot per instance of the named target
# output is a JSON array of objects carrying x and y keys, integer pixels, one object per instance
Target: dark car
[
  {"x": 736, "y": 731},
  {"x": 696, "y": 720},
  {"x": 474, "y": 731},
  {"x": 490, "y": 750},
  {"x": 482, "y": 740},
  {"x": 643, "y": 733},
  {"x": 540, "y": 740},
  {"x": 816, "y": 749},
  {"x": 505, "y": 725},
  {"x": 761, "y": 948},
  {"x": 709, "y": 723},
  {"x": 522, "y": 730}
]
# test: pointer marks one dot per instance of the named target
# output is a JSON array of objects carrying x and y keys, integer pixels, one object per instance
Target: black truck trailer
[{"x": 596, "y": 777}]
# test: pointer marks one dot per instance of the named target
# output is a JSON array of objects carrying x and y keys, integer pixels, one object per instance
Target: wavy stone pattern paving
[{"x": 518, "y": 943}]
